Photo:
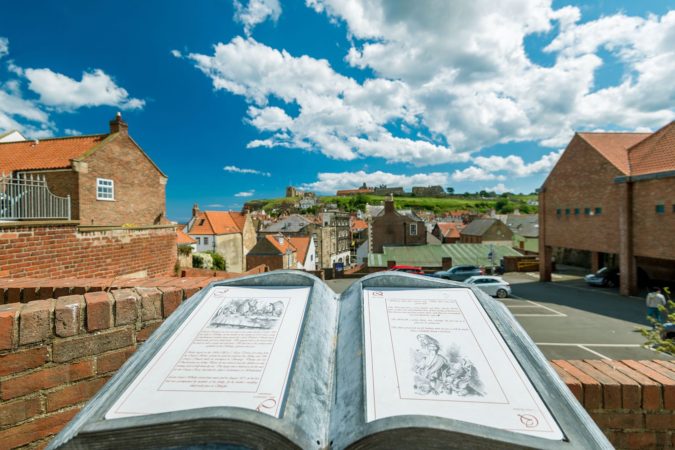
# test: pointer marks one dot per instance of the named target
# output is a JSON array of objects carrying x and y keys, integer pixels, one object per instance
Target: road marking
[
  {"x": 563, "y": 344},
  {"x": 539, "y": 305},
  {"x": 593, "y": 351}
]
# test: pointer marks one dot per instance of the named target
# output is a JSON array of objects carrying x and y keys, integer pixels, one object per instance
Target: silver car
[{"x": 494, "y": 286}]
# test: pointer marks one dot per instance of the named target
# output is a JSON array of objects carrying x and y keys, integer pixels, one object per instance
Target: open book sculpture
[{"x": 279, "y": 361}]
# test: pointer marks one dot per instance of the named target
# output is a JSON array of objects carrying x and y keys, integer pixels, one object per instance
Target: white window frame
[
  {"x": 413, "y": 226},
  {"x": 101, "y": 183},
  {"x": 206, "y": 240}
]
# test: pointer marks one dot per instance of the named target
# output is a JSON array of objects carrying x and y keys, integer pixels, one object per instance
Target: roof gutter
[{"x": 648, "y": 176}]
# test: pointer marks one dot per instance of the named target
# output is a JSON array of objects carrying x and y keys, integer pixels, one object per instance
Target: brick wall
[
  {"x": 55, "y": 354},
  {"x": 581, "y": 179},
  {"x": 633, "y": 402},
  {"x": 139, "y": 186},
  {"x": 651, "y": 230},
  {"x": 62, "y": 250}
]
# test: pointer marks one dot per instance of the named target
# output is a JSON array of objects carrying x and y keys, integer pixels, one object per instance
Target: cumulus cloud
[
  {"x": 176, "y": 53},
  {"x": 96, "y": 88},
  {"x": 331, "y": 182},
  {"x": 235, "y": 169},
  {"x": 337, "y": 116},
  {"x": 255, "y": 12},
  {"x": 498, "y": 189},
  {"x": 245, "y": 193}
]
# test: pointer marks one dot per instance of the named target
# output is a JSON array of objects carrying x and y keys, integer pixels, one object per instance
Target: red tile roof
[
  {"x": 282, "y": 247},
  {"x": 655, "y": 153},
  {"x": 182, "y": 238},
  {"x": 218, "y": 222},
  {"x": 45, "y": 154},
  {"x": 448, "y": 229},
  {"x": 637, "y": 153},
  {"x": 358, "y": 225},
  {"x": 301, "y": 244},
  {"x": 614, "y": 146}
]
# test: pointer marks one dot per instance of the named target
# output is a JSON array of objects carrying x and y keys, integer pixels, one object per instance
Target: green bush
[
  {"x": 197, "y": 261},
  {"x": 185, "y": 249},
  {"x": 218, "y": 261}
]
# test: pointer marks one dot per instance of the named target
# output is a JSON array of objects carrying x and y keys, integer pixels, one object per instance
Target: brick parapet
[{"x": 56, "y": 353}]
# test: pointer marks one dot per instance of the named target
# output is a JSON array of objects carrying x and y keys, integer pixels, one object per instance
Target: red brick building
[
  {"x": 612, "y": 195},
  {"x": 486, "y": 231},
  {"x": 392, "y": 227},
  {"x": 274, "y": 250},
  {"x": 447, "y": 232},
  {"x": 109, "y": 178}
]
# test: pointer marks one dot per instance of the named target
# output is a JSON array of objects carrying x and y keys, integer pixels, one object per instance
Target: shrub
[
  {"x": 655, "y": 335},
  {"x": 184, "y": 249},
  {"x": 218, "y": 261},
  {"x": 197, "y": 261}
]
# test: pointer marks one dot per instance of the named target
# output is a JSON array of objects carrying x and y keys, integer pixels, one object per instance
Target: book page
[
  {"x": 436, "y": 352},
  {"x": 235, "y": 349}
]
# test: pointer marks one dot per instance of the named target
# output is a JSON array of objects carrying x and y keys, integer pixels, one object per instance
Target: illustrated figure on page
[
  {"x": 247, "y": 313},
  {"x": 440, "y": 370}
]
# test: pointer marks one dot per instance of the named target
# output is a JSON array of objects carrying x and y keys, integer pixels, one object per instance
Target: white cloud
[
  {"x": 256, "y": 12},
  {"x": 215, "y": 205},
  {"x": 245, "y": 193},
  {"x": 515, "y": 165},
  {"x": 4, "y": 46},
  {"x": 331, "y": 182},
  {"x": 176, "y": 53},
  {"x": 473, "y": 174},
  {"x": 498, "y": 189},
  {"x": 337, "y": 116},
  {"x": 235, "y": 169},
  {"x": 96, "y": 88}
]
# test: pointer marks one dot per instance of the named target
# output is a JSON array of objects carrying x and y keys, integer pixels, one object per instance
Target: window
[
  {"x": 105, "y": 189},
  {"x": 206, "y": 240},
  {"x": 576, "y": 211},
  {"x": 660, "y": 208},
  {"x": 413, "y": 229},
  {"x": 598, "y": 211},
  {"x": 587, "y": 211},
  {"x": 558, "y": 212},
  {"x": 567, "y": 211},
  {"x": 198, "y": 240}
]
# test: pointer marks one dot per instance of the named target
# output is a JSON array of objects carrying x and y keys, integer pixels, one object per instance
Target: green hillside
[{"x": 436, "y": 205}]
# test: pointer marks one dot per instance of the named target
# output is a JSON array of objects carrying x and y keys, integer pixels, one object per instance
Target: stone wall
[{"x": 65, "y": 250}]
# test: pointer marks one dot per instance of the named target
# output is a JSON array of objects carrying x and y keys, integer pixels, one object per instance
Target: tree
[
  {"x": 450, "y": 190},
  {"x": 656, "y": 336}
]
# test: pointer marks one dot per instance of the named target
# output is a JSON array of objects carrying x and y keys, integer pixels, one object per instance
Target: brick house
[
  {"x": 612, "y": 197},
  {"x": 391, "y": 227},
  {"x": 109, "y": 178},
  {"x": 447, "y": 232},
  {"x": 230, "y": 234},
  {"x": 486, "y": 231},
  {"x": 274, "y": 250}
]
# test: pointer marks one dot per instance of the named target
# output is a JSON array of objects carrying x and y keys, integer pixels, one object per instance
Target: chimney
[
  {"x": 280, "y": 239},
  {"x": 118, "y": 125},
  {"x": 389, "y": 204},
  {"x": 195, "y": 210}
]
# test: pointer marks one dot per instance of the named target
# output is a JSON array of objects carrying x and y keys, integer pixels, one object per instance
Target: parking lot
[{"x": 569, "y": 320}]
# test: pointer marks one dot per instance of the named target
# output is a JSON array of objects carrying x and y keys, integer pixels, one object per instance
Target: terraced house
[{"x": 611, "y": 197}]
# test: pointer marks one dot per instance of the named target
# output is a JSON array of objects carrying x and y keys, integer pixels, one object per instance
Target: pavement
[{"x": 569, "y": 320}]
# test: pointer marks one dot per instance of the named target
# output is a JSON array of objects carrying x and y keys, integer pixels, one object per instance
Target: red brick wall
[
  {"x": 55, "y": 354},
  {"x": 61, "y": 251},
  {"x": 139, "y": 187},
  {"x": 582, "y": 178},
  {"x": 394, "y": 229},
  {"x": 653, "y": 233}
]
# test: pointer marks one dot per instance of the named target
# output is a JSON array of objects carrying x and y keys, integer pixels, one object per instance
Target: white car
[{"x": 494, "y": 286}]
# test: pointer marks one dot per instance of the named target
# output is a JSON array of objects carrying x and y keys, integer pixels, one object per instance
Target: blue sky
[{"x": 238, "y": 99}]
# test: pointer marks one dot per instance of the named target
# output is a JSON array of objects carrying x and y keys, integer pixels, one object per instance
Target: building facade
[
  {"x": 611, "y": 196},
  {"x": 486, "y": 231},
  {"x": 390, "y": 227}
]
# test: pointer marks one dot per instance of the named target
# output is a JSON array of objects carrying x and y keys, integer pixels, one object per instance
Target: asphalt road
[{"x": 569, "y": 320}]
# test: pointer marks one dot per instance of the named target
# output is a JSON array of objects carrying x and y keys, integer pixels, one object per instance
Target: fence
[{"x": 27, "y": 197}]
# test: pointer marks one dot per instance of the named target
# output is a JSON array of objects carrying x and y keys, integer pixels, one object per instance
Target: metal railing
[{"x": 27, "y": 197}]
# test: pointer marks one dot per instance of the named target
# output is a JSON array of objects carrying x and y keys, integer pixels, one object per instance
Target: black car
[
  {"x": 459, "y": 273},
  {"x": 603, "y": 277}
]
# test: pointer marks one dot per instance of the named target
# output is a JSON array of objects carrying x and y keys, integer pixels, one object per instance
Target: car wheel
[
  {"x": 501, "y": 293},
  {"x": 611, "y": 283}
]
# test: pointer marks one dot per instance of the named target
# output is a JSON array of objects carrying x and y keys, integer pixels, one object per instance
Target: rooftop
[{"x": 432, "y": 255}]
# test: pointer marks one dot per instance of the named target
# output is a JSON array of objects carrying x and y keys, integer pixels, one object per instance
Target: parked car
[
  {"x": 604, "y": 277},
  {"x": 459, "y": 273},
  {"x": 668, "y": 331},
  {"x": 494, "y": 286},
  {"x": 408, "y": 269}
]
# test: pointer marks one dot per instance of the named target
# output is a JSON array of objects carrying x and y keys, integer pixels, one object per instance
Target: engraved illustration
[
  {"x": 248, "y": 313},
  {"x": 442, "y": 370}
]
